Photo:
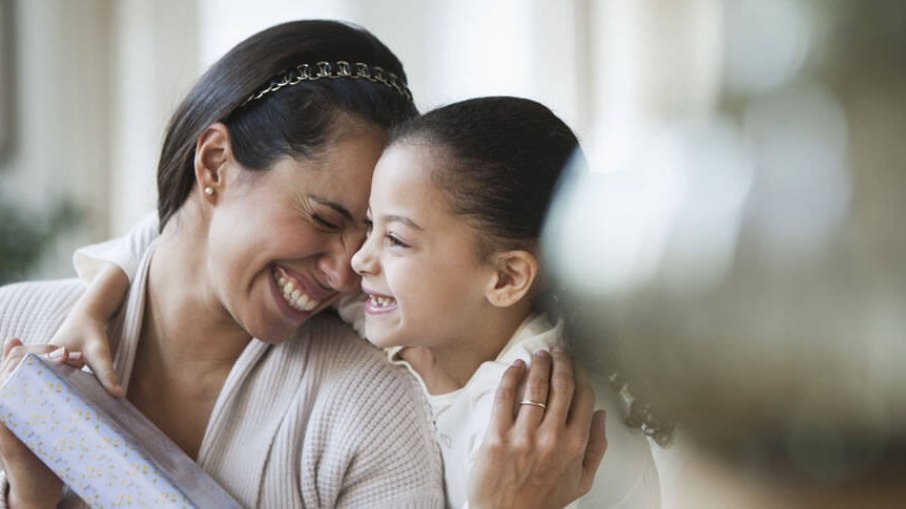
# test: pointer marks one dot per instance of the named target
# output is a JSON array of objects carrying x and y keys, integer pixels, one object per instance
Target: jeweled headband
[{"x": 327, "y": 70}]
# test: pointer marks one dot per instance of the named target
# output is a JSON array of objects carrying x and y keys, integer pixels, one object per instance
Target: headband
[{"x": 326, "y": 70}]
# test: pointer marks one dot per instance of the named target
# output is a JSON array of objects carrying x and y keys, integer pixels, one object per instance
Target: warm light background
[
  {"x": 756, "y": 229},
  {"x": 96, "y": 80}
]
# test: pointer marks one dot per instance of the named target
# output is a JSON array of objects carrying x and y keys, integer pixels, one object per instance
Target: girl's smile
[
  {"x": 378, "y": 304},
  {"x": 419, "y": 267}
]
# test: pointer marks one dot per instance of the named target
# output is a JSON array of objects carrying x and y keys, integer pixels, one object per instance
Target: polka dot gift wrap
[{"x": 102, "y": 447}]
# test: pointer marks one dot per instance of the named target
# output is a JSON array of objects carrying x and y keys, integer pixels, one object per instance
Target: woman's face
[
  {"x": 419, "y": 267},
  {"x": 280, "y": 241}
]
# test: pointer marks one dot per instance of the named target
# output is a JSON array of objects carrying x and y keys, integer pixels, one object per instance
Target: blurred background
[
  {"x": 735, "y": 251},
  {"x": 742, "y": 265},
  {"x": 87, "y": 86}
]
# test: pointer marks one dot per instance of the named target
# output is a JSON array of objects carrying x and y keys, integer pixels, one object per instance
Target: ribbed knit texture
[{"x": 321, "y": 420}]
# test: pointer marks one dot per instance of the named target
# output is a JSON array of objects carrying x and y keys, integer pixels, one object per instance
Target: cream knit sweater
[{"x": 321, "y": 420}]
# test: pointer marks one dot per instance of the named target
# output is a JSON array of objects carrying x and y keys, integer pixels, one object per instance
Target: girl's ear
[
  {"x": 515, "y": 272},
  {"x": 212, "y": 152}
]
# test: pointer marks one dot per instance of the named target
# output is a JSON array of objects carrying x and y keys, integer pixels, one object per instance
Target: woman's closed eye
[
  {"x": 322, "y": 216},
  {"x": 325, "y": 223}
]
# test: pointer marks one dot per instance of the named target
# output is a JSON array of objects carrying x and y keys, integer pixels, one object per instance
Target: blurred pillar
[
  {"x": 63, "y": 79},
  {"x": 653, "y": 62},
  {"x": 155, "y": 61}
]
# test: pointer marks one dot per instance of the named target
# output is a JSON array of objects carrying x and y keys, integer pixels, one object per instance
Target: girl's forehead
[
  {"x": 403, "y": 179},
  {"x": 405, "y": 164},
  {"x": 418, "y": 159}
]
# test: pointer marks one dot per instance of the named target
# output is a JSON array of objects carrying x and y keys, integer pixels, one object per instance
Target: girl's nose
[{"x": 362, "y": 260}]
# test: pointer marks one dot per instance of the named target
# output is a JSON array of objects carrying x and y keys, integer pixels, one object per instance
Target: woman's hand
[
  {"x": 31, "y": 483},
  {"x": 85, "y": 327},
  {"x": 536, "y": 457}
]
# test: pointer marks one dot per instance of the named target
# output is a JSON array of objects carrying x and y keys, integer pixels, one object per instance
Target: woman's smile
[{"x": 298, "y": 292}]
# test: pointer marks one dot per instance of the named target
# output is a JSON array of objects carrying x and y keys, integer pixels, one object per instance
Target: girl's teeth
[{"x": 381, "y": 301}]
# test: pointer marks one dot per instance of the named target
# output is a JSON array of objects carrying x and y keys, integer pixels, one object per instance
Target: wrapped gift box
[{"x": 102, "y": 447}]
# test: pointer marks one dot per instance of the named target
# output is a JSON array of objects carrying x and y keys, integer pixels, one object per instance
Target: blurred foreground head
[{"x": 748, "y": 277}]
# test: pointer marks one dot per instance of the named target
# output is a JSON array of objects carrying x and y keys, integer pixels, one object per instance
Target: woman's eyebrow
[{"x": 343, "y": 211}]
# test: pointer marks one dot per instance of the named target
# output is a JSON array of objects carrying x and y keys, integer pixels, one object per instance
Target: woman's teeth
[
  {"x": 293, "y": 295},
  {"x": 380, "y": 302}
]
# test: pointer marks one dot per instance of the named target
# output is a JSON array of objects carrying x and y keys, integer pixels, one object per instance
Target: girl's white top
[{"x": 627, "y": 476}]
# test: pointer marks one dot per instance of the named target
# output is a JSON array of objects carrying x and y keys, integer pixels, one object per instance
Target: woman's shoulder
[
  {"x": 349, "y": 368},
  {"x": 33, "y": 311},
  {"x": 373, "y": 406},
  {"x": 343, "y": 352}
]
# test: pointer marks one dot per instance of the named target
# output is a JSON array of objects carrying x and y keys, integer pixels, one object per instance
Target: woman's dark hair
[
  {"x": 503, "y": 158},
  {"x": 294, "y": 121}
]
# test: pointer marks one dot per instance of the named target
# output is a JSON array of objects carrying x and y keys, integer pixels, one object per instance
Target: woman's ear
[
  {"x": 212, "y": 152},
  {"x": 515, "y": 273}
]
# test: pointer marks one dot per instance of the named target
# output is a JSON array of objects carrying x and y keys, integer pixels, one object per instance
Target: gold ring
[{"x": 533, "y": 403}]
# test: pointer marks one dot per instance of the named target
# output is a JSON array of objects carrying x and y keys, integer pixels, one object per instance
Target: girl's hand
[
  {"x": 85, "y": 327},
  {"x": 535, "y": 457},
  {"x": 31, "y": 483}
]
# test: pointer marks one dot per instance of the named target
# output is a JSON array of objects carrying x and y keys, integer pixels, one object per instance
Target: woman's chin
[
  {"x": 273, "y": 340},
  {"x": 274, "y": 331}
]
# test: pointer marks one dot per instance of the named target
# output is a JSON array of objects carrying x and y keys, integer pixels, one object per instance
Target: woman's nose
[
  {"x": 336, "y": 264},
  {"x": 340, "y": 275}
]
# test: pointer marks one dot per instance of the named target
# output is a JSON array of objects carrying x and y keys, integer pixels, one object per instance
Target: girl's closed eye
[{"x": 395, "y": 241}]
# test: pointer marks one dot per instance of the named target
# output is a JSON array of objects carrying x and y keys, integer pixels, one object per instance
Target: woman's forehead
[{"x": 339, "y": 178}]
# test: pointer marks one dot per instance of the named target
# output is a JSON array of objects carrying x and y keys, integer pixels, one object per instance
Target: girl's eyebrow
[
  {"x": 343, "y": 211},
  {"x": 402, "y": 219}
]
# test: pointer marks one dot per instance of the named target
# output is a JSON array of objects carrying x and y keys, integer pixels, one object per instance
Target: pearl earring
[{"x": 208, "y": 190}]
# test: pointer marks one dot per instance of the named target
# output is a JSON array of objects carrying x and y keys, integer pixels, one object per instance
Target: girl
[{"x": 452, "y": 278}]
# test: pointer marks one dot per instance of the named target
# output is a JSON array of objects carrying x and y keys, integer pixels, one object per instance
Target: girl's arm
[
  {"x": 107, "y": 269},
  {"x": 85, "y": 327},
  {"x": 126, "y": 251}
]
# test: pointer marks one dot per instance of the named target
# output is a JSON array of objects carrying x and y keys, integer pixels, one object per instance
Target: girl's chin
[{"x": 380, "y": 340}]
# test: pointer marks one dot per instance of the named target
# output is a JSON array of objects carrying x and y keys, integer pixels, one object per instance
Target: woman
[{"x": 263, "y": 175}]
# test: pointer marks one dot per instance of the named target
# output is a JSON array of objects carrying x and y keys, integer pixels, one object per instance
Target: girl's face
[
  {"x": 424, "y": 282},
  {"x": 280, "y": 241}
]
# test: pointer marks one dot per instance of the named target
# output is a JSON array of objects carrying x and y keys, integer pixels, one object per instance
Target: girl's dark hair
[
  {"x": 504, "y": 156},
  {"x": 294, "y": 121},
  {"x": 501, "y": 160}
]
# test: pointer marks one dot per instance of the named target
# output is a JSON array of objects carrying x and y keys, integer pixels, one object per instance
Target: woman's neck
[{"x": 184, "y": 321}]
